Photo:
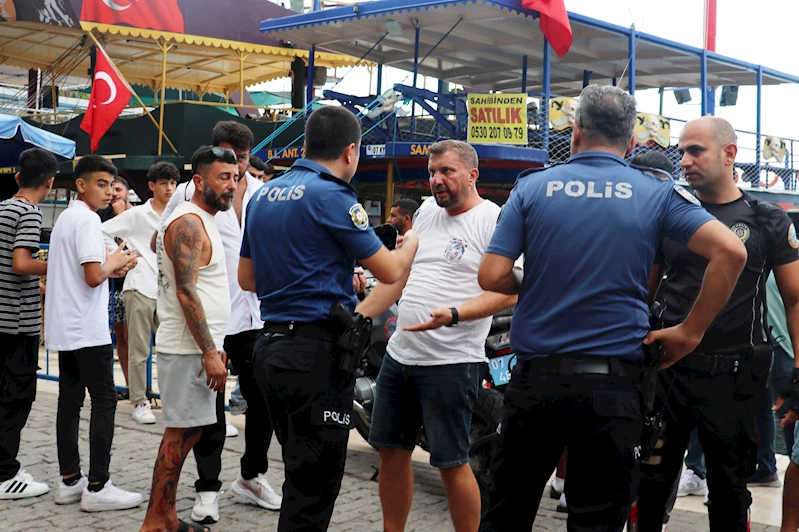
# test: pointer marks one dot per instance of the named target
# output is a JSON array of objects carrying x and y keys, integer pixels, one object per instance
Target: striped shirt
[{"x": 20, "y": 227}]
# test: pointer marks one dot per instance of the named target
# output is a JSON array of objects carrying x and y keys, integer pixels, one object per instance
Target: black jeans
[
  {"x": 258, "y": 425},
  {"x": 598, "y": 417},
  {"x": 19, "y": 357},
  {"x": 92, "y": 368},
  {"x": 725, "y": 420},
  {"x": 311, "y": 410},
  {"x": 257, "y": 430}
]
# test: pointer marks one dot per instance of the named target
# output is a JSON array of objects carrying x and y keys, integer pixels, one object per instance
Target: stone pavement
[{"x": 134, "y": 451}]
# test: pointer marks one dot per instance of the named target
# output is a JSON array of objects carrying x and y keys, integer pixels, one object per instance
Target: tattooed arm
[{"x": 187, "y": 245}]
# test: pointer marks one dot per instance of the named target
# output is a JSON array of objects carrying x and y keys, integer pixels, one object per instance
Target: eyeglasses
[{"x": 225, "y": 155}]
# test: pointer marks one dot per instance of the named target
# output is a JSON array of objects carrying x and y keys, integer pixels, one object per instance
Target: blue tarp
[{"x": 16, "y": 136}]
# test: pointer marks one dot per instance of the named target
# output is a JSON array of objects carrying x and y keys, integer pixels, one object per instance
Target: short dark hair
[
  {"x": 606, "y": 114},
  {"x": 234, "y": 133},
  {"x": 329, "y": 130},
  {"x": 122, "y": 180},
  {"x": 205, "y": 156},
  {"x": 406, "y": 206},
  {"x": 89, "y": 164},
  {"x": 163, "y": 170},
  {"x": 654, "y": 159},
  {"x": 257, "y": 163},
  {"x": 36, "y": 166}
]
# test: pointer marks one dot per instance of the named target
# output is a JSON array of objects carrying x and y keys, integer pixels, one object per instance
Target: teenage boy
[
  {"x": 140, "y": 290},
  {"x": 20, "y": 314},
  {"x": 76, "y": 325}
]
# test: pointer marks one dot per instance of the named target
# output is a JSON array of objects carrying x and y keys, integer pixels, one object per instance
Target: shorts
[
  {"x": 440, "y": 398},
  {"x": 116, "y": 307},
  {"x": 795, "y": 451},
  {"x": 186, "y": 399}
]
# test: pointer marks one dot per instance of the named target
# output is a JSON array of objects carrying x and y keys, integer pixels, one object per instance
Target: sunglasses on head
[{"x": 226, "y": 155}]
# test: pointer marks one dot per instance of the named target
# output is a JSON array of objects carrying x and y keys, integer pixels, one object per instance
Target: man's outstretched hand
[{"x": 675, "y": 343}]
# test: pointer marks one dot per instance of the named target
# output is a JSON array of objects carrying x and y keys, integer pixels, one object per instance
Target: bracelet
[{"x": 454, "y": 321}]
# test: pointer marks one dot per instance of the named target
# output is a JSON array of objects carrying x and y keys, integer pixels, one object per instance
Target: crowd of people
[{"x": 616, "y": 274}]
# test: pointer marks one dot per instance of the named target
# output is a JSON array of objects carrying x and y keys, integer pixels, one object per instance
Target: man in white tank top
[{"x": 193, "y": 310}]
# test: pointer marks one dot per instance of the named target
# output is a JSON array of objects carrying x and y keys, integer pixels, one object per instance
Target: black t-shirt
[{"x": 768, "y": 245}]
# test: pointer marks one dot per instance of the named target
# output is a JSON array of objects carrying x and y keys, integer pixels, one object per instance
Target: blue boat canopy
[{"x": 16, "y": 136}]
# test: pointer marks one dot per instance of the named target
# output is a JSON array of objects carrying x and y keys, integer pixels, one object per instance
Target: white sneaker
[
  {"x": 109, "y": 498},
  {"x": 22, "y": 486},
  {"x": 257, "y": 491},
  {"x": 143, "y": 414},
  {"x": 69, "y": 494},
  {"x": 707, "y": 499},
  {"x": 206, "y": 508},
  {"x": 231, "y": 431},
  {"x": 690, "y": 484}
]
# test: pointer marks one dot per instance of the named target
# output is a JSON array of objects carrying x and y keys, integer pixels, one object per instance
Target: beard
[
  {"x": 220, "y": 202},
  {"x": 447, "y": 200}
]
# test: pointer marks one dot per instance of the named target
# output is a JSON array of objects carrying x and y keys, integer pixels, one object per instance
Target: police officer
[
  {"x": 588, "y": 230},
  {"x": 303, "y": 234},
  {"x": 716, "y": 387}
]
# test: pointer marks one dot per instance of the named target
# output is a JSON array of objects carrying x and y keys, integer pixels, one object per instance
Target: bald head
[{"x": 719, "y": 129}]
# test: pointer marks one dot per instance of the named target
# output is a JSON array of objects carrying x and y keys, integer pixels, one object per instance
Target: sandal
[{"x": 191, "y": 527}]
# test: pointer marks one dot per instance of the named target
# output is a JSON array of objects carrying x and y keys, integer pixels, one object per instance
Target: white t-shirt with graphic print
[{"x": 444, "y": 274}]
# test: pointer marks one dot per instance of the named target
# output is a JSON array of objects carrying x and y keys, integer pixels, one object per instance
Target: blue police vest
[
  {"x": 589, "y": 230},
  {"x": 304, "y": 232}
]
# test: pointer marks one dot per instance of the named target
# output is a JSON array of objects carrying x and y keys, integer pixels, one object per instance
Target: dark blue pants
[{"x": 19, "y": 357}]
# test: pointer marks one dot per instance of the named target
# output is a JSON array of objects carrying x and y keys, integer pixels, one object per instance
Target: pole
[
  {"x": 55, "y": 101},
  {"x": 164, "y": 48},
  {"x": 660, "y": 90},
  {"x": 524, "y": 74},
  {"x": 544, "y": 126},
  {"x": 389, "y": 185},
  {"x": 309, "y": 87},
  {"x": 703, "y": 78},
  {"x": 379, "y": 79},
  {"x": 242, "y": 56},
  {"x": 415, "y": 75},
  {"x": 586, "y": 78},
  {"x": 757, "y": 116},
  {"x": 631, "y": 51},
  {"x": 141, "y": 103},
  {"x": 710, "y": 46}
]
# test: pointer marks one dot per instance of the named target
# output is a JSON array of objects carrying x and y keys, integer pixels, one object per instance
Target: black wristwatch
[{"x": 454, "y": 321}]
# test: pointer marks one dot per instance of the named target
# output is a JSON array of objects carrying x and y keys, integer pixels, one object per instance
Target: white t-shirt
[
  {"x": 444, "y": 274},
  {"x": 245, "y": 311},
  {"x": 75, "y": 314}
]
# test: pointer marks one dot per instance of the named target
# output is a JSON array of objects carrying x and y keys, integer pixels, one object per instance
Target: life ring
[{"x": 766, "y": 184}]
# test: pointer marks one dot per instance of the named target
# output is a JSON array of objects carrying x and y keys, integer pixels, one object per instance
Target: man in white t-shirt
[
  {"x": 432, "y": 369},
  {"x": 76, "y": 325}
]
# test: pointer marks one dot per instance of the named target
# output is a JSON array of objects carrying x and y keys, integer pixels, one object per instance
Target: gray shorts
[{"x": 186, "y": 400}]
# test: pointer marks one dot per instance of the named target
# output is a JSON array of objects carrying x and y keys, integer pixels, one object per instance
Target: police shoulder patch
[
  {"x": 359, "y": 217},
  {"x": 686, "y": 195},
  {"x": 792, "y": 240}
]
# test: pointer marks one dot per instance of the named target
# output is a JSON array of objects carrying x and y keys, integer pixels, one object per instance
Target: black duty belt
[
  {"x": 581, "y": 365},
  {"x": 713, "y": 363},
  {"x": 326, "y": 331}
]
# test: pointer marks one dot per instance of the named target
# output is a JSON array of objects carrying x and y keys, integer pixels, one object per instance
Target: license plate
[{"x": 500, "y": 368}]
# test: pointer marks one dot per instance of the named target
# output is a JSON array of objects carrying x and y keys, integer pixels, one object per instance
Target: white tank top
[{"x": 173, "y": 335}]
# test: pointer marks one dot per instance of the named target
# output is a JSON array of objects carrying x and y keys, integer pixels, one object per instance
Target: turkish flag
[
  {"x": 554, "y": 23},
  {"x": 164, "y": 15},
  {"x": 110, "y": 95}
]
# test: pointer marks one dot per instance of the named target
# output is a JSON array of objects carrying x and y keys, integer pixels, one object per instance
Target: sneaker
[
  {"x": 22, "y": 486},
  {"x": 768, "y": 480},
  {"x": 206, "y": 508},
  {"x": 237, "y": 409},
  {"x": 707, "y": 500},
  {"x": 691, "y": 484},
  {"x": 109, "y": 498},
  {"x": 556, "y": 488},
  {"x": 231, "y": 431},
  {"x": 562, "y": 506},
  {"x": 257, "y": 491},
  {"x": 69, "y": 494},
  {"x": 143, "y": 414}
]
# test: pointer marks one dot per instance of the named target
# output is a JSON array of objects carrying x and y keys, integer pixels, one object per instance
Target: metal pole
[
  {"x": 544, "y": 126},
  {"x": 710, "y": 46},
  {"x": 757, "y": 119},
  {"x": 164, "y": 49},
  {"x": 379, "y": 79},
  {"x": 415, "y": 75},
  {"x": 631, "y": 50},
  {"x": 241, "y": 76},
  {"x": 55, "y": 102},
  {"x": 524, "y": 74},
  {"x": 586, "y": 78},
  {"x": 389, "y": 185},
  {"x": 309, "y": 87},
  {"x": 613, "y": 81},
  {"x": 661, "y": 91},
  {"x": 703, "y": 82}
]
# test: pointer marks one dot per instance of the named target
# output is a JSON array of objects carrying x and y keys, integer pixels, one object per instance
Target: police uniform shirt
[
  {"x": 589, "y": 230},
  {"x": 304, "y": 232},
  {"x": 772, "y": 244}
]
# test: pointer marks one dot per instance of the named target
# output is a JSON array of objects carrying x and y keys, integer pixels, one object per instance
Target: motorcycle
[{"x": 487, "y": 410}]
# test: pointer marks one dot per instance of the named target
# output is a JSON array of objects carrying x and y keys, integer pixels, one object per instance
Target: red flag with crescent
[
  {"x": 554, "y": 23},
  {"x": 110, "y": 95},
  {"x": 163, "y": 15}
]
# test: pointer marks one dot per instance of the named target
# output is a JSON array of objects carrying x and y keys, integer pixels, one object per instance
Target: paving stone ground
[{"x": 134, "y": 452}]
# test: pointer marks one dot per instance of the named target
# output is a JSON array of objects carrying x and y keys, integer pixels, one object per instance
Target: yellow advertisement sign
[
  {"x": 498, "y": 118},
  {"x": 774, "y": 148},
  {"x": 653, "y": 129},
  {"x": 561, "y": 112}
]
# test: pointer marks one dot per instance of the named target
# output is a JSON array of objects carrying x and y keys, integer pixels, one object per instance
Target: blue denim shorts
[{"x": 439, "y": 397}]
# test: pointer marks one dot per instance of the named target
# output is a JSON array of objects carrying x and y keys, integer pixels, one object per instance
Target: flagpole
[{"x": 141, "y": 103}]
